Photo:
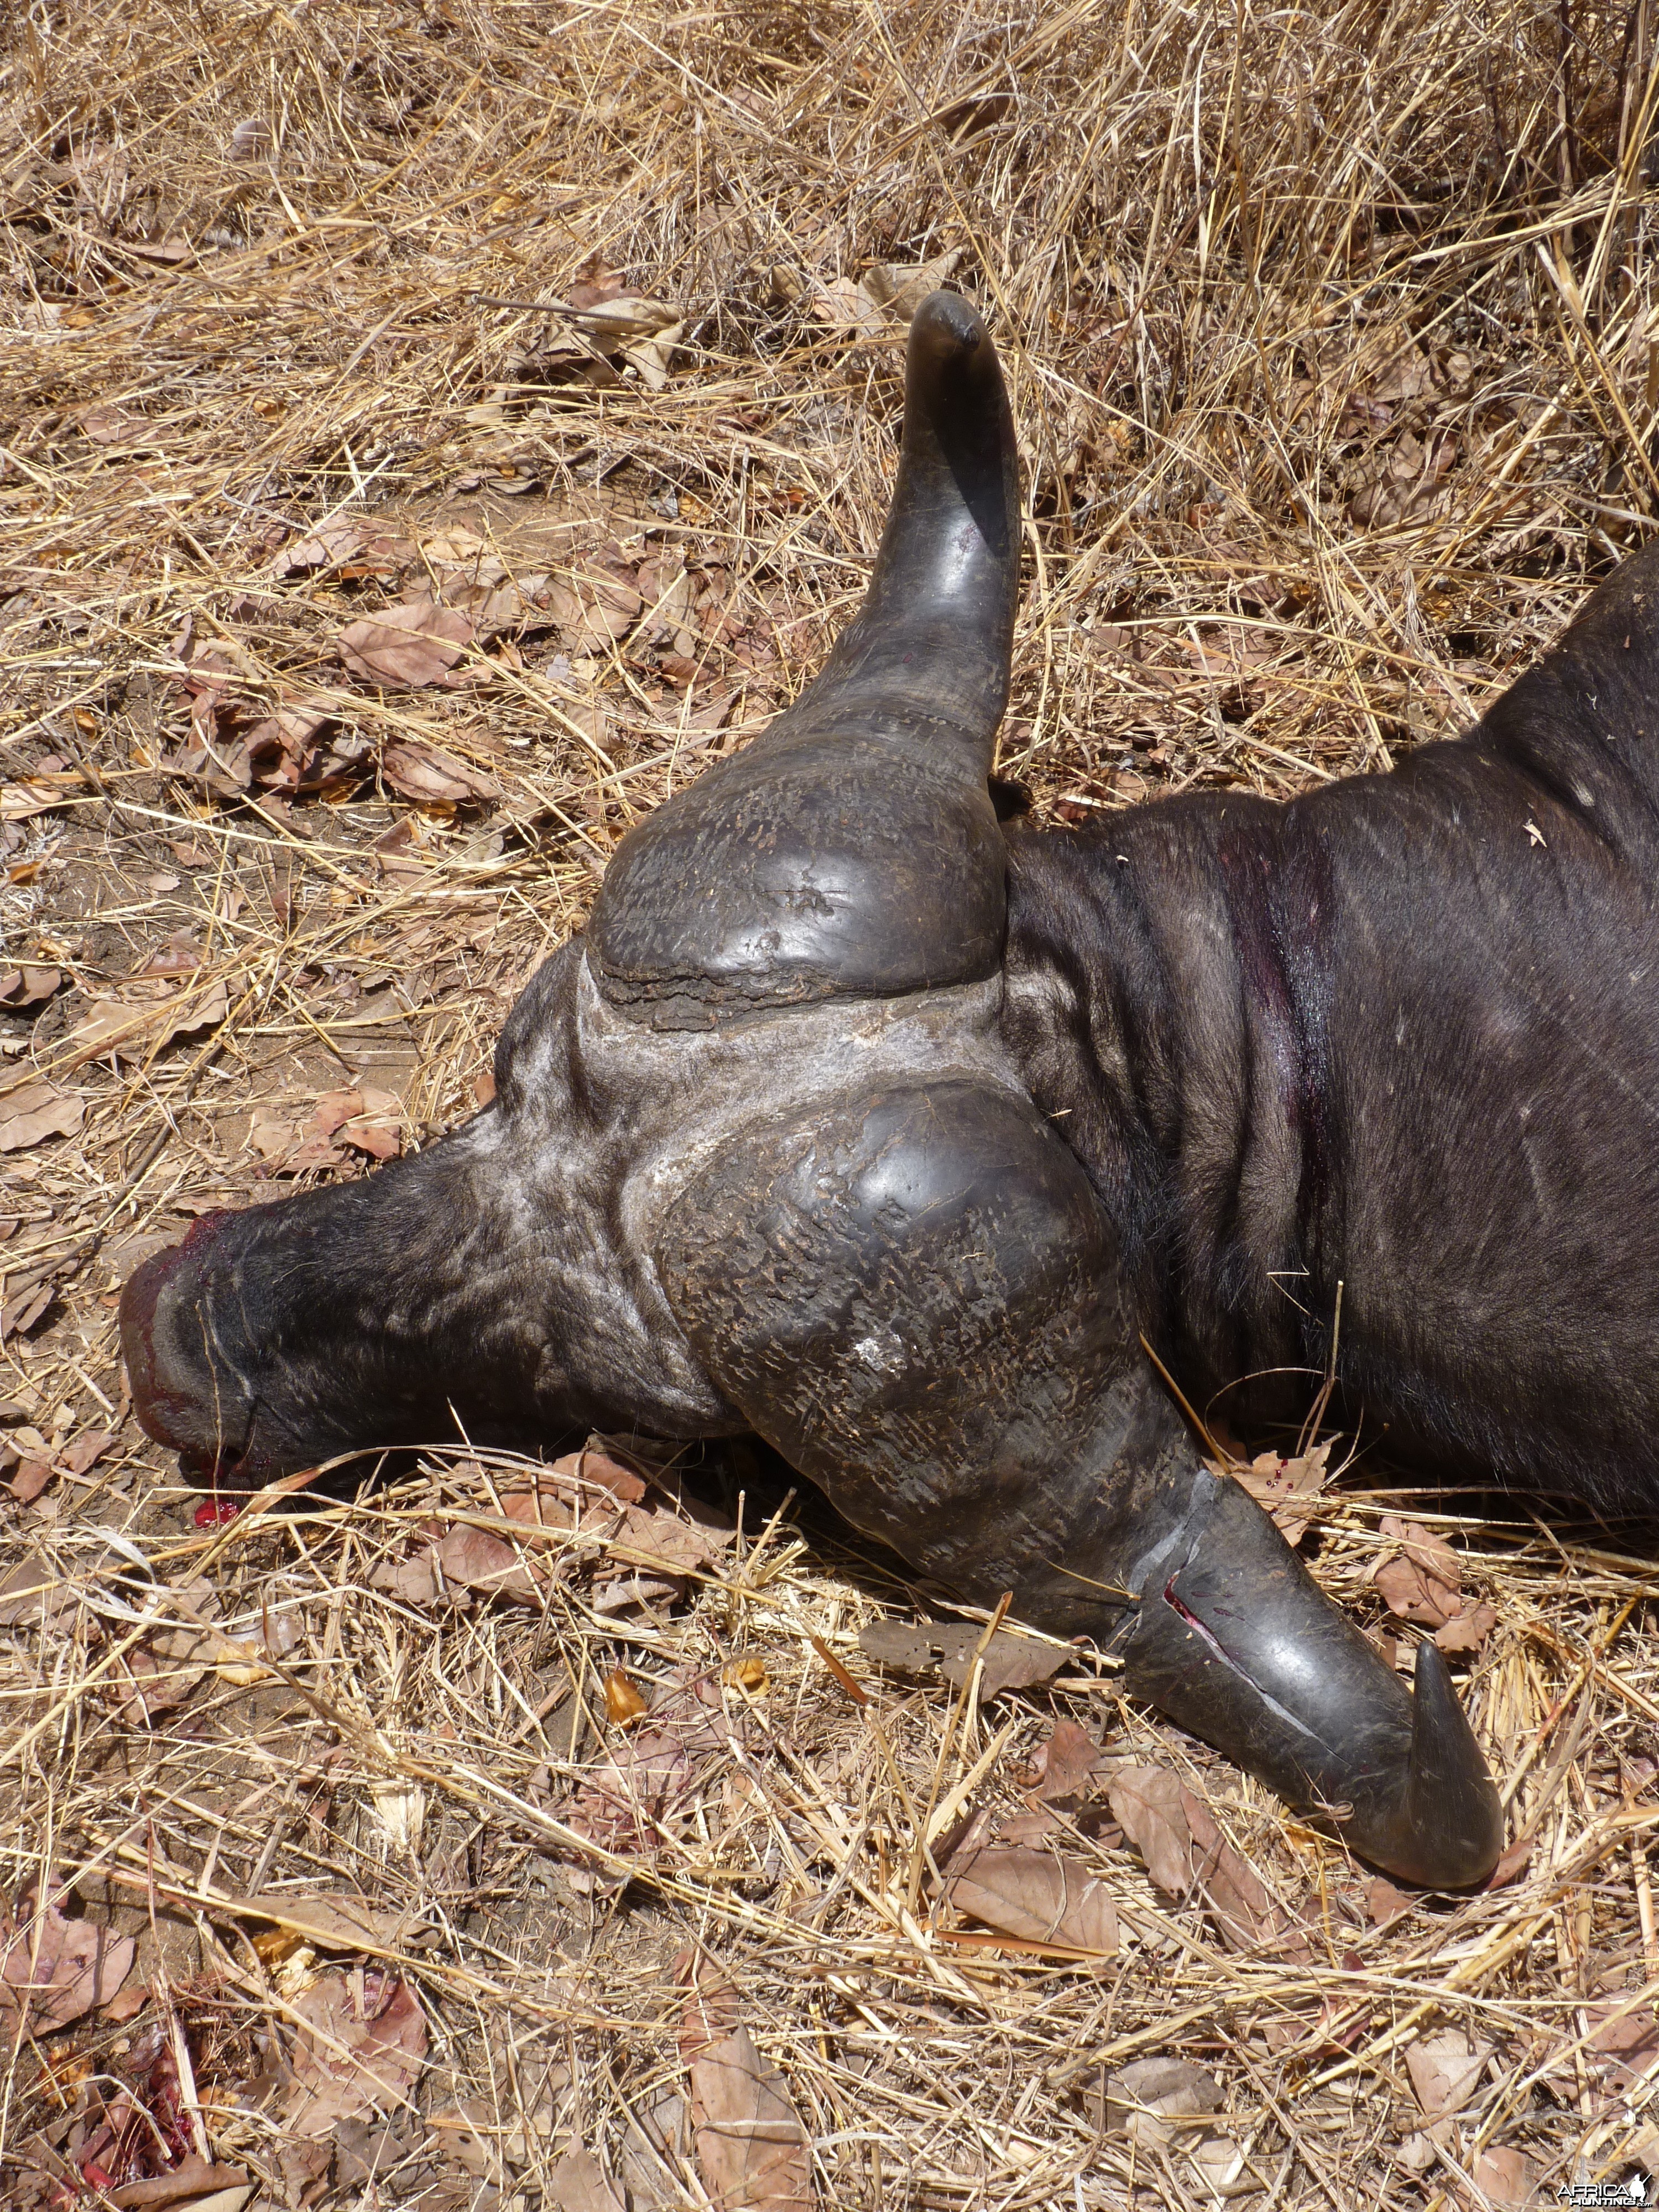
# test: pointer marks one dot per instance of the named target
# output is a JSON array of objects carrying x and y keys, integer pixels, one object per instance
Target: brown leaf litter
[
  {"x": 53, "y": 1969},
  {"x": 360, "y": 2043},
  {"x": 32, "y": 1112},
  {"x": 1421, "y": 1582},
  {"x": 405, "y": 647},
  {"x": 1008, "y": 1662},
  {"x": 1049, "y": 1900},
  {"x": 1281, "y": 1484},
  {"x": 1186, "y": 1855},
  {"x": 751, "y": 2148}
]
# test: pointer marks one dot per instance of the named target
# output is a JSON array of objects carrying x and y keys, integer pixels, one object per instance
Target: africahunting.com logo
[{"x": 1638, "y": 2190}]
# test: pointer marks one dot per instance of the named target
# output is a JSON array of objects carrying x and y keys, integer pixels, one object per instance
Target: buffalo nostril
[
  {"x": 173, "y": 1395},
  {"x": 140, "y": 1296}
]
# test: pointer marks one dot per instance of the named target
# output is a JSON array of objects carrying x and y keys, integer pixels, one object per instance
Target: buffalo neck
[{"x": 1168, "y": 996}]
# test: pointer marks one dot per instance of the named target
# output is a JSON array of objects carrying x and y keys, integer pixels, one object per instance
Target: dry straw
[{"x": 346, "y": 621}]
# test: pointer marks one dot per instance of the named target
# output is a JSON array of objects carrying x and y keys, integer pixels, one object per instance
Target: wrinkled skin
[{"x": 858, "y": 1122}]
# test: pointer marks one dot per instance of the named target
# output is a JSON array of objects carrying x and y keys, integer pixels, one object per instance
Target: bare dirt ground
[{"x": 566, "y": 1838}]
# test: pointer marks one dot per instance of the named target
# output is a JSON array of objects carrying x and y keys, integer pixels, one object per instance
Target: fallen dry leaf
[
  {"x": 596, "y": 281},
  {"x": 601, "y": 605},
  {"x": 464, "y": 2133},
  {"x": 622, "y": 318},
  {"x": 250, "y": 141},
  {"x": 366, "y": 1119},
  {"x": 1383, "y": 1901},
  {"x": 658, "y": 1538},
  {"x": 53, "y": 1970},
  {"x": 500, "y": 603},
  {"x": 1468, "y": 1630},
  {"x": 623, "y": 1705},
  {"x": 403, "y": 647},
  {"x": 846, "y": 306},
  {"x": 402, "y": 852},
  {"x": 131, "y": 1027},
  {"x": 182, "y": 955},
  {"x": 454, "y": 546},
  {"x": 1277, "y": 1485},
  {"x": 193, "y": 2185},
  {"x": 272, "y": 1134},
  {"x": 331, "y": 1924},
  {"x": 1186, "y": 1854},
  {"x": 1445, "y": 2070},
  {"x": 752, "y": 2147},
  {"x": 1511, "y": 1866},
  {"x": 276, "y": 747},
  {"x": 35, "y": 1111},
  {"x": 1400, "y": 482},
  {"x": 33, "y": 1474},
  {"x": 1012, "y": 1661},
  {"x": 114, "y": 424},
  {"x": 35, "y": 794},
  {"x": 465, "y": 1557},
  {"x": 901, "y": 287},
  {"x": 128, "y": 2004},
  {"x": 27, "y": 987},
  {"x": 545, "y": 1502},
  {"x": 30, "y": 1478},
  {"x": 653, "y": 358},
  {"x": 334, "y": 1107},
  {"x": 1624, "y": 2047},
  {"x": 656, "y": 1772},
  {"x": 156, "y": 1679},
  {"x": 1419, "y": 2150},
  {"x": 1059, "y": 1823},
  {"x": 621, "y": 1805},
  {"x": 354, "y": 550},
  {"x": 1036, "y": 1896},
  {"x": 1065, "y": 1765},
  {"x": 362, "y": 2041},
  {"x": 710, "y": 2011},
  {"x": 597, "y": 1466},
  {"x": 477, "y": 1560},
  {"x": 428, "y": 775},
  {"x": 1504, "y": 2176},
  {"x": 26, "y": 1302},
  {"x": 1410, "y": 1594},
  {"x": 32, "y": 1594},
  {"x": 1219, "y": 2162},
  {"x": 86, "y": 1450},
  {"x": 1144, "y": 2099},
  {"x": 498, "y": 1567},
  {"x": 578, "y": 2183},
  {"x": 1422, "y": 1583},
  {"x": 1147, "y": 1801},
  {"x": 166, "y": 1667},
  {"x": 1431, "y": 1554}
]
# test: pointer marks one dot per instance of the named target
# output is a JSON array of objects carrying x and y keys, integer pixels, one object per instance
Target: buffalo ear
[{"x": 854, "y": 848}]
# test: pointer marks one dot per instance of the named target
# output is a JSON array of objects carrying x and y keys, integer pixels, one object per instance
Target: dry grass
[{"x": 1329, "y": 337}]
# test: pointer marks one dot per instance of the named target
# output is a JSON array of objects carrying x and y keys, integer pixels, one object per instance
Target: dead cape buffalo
[{"x": 855, "y": 1121}]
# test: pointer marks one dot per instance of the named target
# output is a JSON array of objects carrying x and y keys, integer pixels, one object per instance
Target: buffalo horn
[
  {"x": 1238, "y": 1643},
  {"x": 853, "y": 848}
]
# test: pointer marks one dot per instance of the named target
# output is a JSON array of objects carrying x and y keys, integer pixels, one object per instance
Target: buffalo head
[{"x": 761, "y": 1157}]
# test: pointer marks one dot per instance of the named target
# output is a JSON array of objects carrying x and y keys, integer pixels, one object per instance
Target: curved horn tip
[
  {"x": 945, "y": 324},
  {"x": 1453, "y": 1819}
]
